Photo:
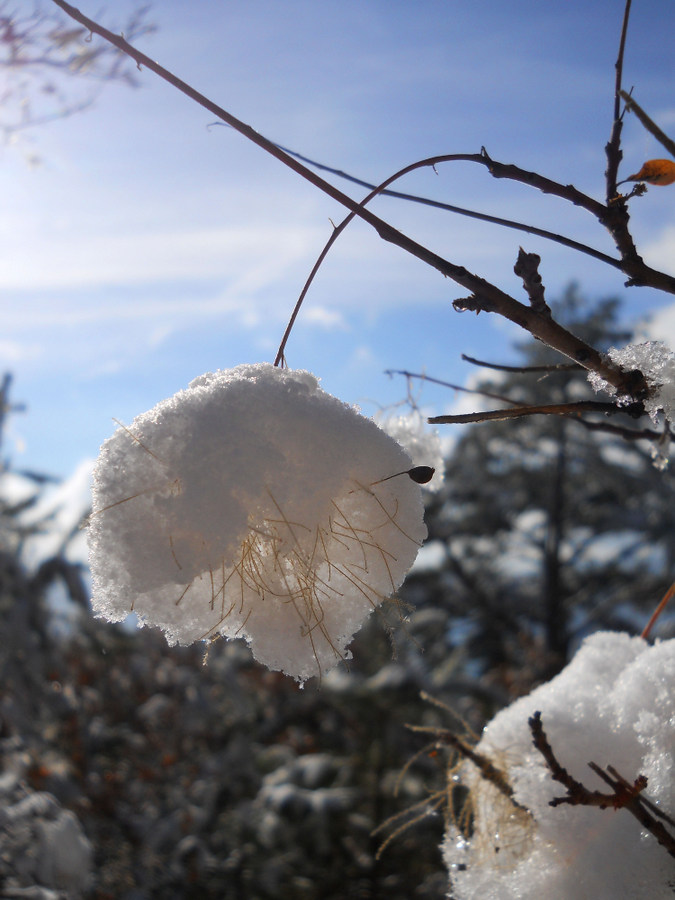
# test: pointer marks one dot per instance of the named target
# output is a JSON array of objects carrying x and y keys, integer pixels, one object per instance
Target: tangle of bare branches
[{"x": 484, "y": 296}]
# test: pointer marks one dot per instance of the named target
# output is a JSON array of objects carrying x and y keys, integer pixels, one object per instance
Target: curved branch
[
  {"x": 613, "y": 217},
  {"x": 381, "y": 189},
  {"x": 461, "y": 210}
]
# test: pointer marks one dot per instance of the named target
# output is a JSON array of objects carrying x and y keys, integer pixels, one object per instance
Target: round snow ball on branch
[
  {"x": 613, "y": 705},
  {"x": 253, "y": 504}
]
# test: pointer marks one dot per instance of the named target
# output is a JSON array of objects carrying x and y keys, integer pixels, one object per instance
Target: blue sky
[{"x": 148, "y": 247}]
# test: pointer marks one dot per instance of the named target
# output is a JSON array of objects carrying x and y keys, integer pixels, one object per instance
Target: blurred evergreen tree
[{"x": 550, "y": 529}]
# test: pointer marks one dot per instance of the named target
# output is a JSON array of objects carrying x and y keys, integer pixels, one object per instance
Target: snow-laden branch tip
[
  {"x": 253, "y": 504},
  {"x": 656, "y": 362}
]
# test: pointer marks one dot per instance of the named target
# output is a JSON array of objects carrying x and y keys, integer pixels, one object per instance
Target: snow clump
[
  {"x": 614, "y": 705},
  {"x": 253, "y": 504},
  {"x": 657, "y": 363}
]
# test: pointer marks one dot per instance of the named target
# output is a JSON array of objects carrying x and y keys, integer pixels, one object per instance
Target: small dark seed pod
[
  {"x": 418, "y": 474},
  {"x": 421, "y": 474}
]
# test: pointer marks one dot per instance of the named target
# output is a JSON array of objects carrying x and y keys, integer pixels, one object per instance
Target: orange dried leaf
[{"x": 655, "y": 171}]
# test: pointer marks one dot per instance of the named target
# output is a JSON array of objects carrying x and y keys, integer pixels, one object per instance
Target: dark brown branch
[
  {"x": 548, "y": 409},
  {"x": 615, "y": 221},
  {"x": 649, "y": 124},
  {"x": 617, "y": 216},
  {"x": 625, "y": 795},
  {"x": 629, "y": 434},
  {"x": 279, "y": 360},
  {"x": 527, "y": 262}
]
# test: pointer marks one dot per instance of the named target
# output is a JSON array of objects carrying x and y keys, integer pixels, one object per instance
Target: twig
[
  {"x": 657, "y": 612},
  {"x": 628, "y": 434},
  {"x": 560, "y": 367},
  {"x": 529, "y": 262},
  {"x": 613, "y": 149},
  {"x": 487, "y": 768},
  {"x": 527, "y": 268},
  {"x": 279, "y": 359},
  {"x": 625, "y": 795},
  {"x": 548, "y": 409},
  {"x": 454, "y": 387},
  {"x": 649, "y": 124}
]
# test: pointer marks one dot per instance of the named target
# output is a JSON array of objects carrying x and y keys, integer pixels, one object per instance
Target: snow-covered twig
[{"x": 625, "y": 795}]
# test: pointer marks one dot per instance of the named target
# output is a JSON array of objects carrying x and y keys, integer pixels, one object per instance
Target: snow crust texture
[
  {"x": 252, "y": 505},
  {"x": 614, "y": 705},
  {"x": 657, "y": 363}
]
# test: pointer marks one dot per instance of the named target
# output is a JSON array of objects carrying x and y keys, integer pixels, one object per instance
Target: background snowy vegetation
[{"x": 223, "y": 779}]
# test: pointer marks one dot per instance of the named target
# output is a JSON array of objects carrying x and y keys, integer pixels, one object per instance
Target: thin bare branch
[
  {"x": 561, "y": 367},
  {"x": 649, "y": 124},
  {"x": 613, "y": 148},
  {"x": 448, "y": 384},
  {"x": 460, "y": 210},
  {"x": 519, "y": 412},
  {"x": 627, "y": 434},
  {"x": 665, "y": 600},
  {"x": 487, "y": 768},
  {"x": 525, "y": 261}
]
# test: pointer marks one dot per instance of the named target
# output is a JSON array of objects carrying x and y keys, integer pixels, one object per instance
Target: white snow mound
[{"x": 252, "y": 505}]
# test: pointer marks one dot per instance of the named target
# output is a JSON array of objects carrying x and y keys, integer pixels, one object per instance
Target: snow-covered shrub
[
  {"x": 614, "y": 705},
  {"x": 253, "y": 504},
  {"x": 43, "y": 849}
]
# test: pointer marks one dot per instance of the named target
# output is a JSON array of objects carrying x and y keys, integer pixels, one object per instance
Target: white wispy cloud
[{"x": 248, "y": 256}]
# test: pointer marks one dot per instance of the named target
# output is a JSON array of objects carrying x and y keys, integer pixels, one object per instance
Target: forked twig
[{"x": 625, "y": 795}]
